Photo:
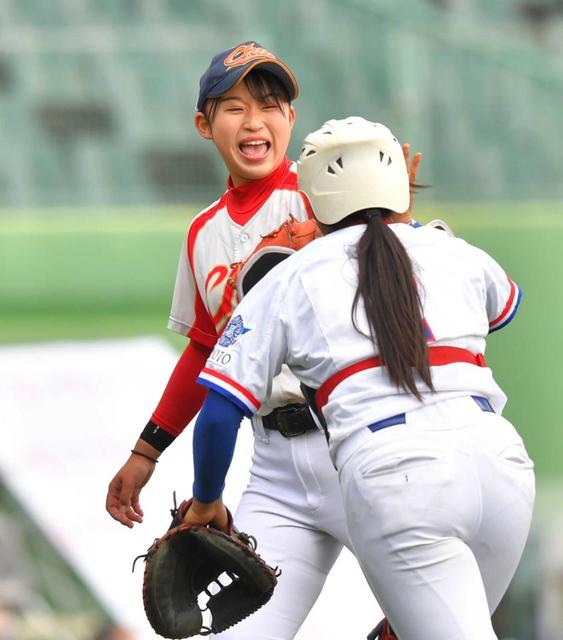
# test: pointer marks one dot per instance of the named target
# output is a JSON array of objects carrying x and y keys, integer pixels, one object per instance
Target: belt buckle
[{"x": 286, "y": 426}]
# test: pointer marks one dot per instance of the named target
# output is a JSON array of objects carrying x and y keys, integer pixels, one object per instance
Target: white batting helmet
[{"x": 352, "y": 164}]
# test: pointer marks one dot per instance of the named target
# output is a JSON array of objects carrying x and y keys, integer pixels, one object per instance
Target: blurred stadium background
[{"x": 101, "y": 170}]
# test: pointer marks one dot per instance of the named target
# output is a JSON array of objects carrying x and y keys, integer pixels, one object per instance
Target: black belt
[{"x": 290, "y": 420}]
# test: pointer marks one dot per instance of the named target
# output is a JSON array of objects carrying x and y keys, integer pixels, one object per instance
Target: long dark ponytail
[{"x": 387, "y": 287}]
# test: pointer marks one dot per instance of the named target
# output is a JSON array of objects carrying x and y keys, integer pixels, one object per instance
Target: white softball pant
[
  {"x": 293, "y": 506},
  {"x": 438, "y": 511}
]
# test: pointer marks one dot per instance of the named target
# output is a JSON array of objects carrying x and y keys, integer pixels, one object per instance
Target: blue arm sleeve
[{"x": 215, "y": 436}]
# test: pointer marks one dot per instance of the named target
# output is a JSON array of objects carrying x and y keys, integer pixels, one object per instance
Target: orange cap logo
[{"x": 245, "y": 53}]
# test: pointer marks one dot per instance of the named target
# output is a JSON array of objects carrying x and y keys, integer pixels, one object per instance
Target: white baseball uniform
[
  {"x": 439, "y": 503},
  {"x": 293, "y": 503}
]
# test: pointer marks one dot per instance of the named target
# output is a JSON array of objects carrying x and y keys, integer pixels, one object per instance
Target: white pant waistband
[{"x": 457, "y": 412}]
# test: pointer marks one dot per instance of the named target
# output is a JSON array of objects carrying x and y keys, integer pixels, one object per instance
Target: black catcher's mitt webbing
[{"x": 186, "y": 561}]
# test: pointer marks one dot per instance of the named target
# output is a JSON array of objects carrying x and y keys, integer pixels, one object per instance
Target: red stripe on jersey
[
  {"x": 203, "y": 329},
  {"x": 508, "y": 306},
  {"x": 290, "y": 180},
  {"x": 307, "y": 204},
  {"x": 437, "y": 356},
  {"x": 232, "y": 383},
  {"x": 290, "y": 184},
  {"x": 197, "y": 225}
]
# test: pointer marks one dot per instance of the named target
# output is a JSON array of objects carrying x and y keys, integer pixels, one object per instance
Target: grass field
[{"x": 109, "y": 274}]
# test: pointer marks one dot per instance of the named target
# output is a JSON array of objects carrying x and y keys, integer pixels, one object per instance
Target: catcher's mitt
[
  {"x": 186, "y": 562},
  {"x": 288, "y": 238}
]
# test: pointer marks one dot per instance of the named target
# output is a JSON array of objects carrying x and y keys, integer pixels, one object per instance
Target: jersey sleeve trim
[
  {"x": 177, "y": 326},
  {"x": 200, "y": 336},
  {"x": 231, "y": 389},
  {"x": 509, "y": 311},
  {"x": 192, "y": 332}
]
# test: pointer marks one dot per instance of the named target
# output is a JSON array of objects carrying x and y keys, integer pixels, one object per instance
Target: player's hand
[
  {"x": 205, "y": 513},
  {"x": 412, "y": 168},
  {"x": 122, "y": 501}
]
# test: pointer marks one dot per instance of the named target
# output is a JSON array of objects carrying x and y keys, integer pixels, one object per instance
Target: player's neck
[
  {"x": 247, "y": 198},
  {"x": 257, "y": 185}
]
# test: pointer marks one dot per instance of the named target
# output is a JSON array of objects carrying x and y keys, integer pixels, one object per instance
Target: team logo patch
[
  {"x": 246, "y": 53},
  {"x": 232, "y": 331}
]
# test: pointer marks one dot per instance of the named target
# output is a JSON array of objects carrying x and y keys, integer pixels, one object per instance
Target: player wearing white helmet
[{"x": 385, "y": 326}]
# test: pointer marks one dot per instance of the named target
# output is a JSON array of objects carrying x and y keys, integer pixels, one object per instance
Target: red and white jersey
[
  {"x": 300, "y": 314},
  {"x": 226, "y": 232}
]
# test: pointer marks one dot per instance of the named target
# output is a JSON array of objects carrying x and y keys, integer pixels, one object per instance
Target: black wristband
[{"x": 155, "y": 436}]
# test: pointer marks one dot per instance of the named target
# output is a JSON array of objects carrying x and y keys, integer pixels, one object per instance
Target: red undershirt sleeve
[{"x": 183, "y": 396}]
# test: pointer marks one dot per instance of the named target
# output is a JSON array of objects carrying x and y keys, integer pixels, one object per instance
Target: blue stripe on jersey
[
  {"x": 511, "y": 315},
  {"x": 230, "y": 396},
  {"x": 427, "y": 331},
  {"x": 215, "y": 436}
]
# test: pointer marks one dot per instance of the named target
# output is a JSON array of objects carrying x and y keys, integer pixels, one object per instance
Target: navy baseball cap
[{"x": 230, "y": 66}]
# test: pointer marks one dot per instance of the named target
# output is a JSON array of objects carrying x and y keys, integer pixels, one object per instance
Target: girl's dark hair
[
  {"x": 387, "y": 286},
  {"x": 262, "y": 85}
]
